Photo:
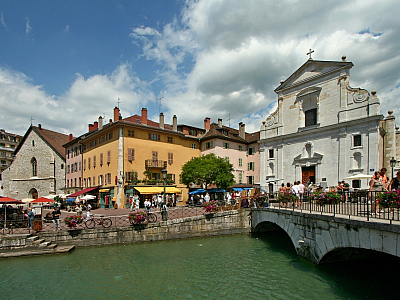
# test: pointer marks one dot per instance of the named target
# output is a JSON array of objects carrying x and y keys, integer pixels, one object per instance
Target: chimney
[
  {"x": 116, "y": 114},
  {"x": 95, "y": 125},
  {"x": 220, "y": 123},
  {"x": 162, "y": 120},
  {"x": 40, "y": 126},
  {"x": 70, "y": 137},
  {"x": 100, "y": 122},
  {"x": 174, "y": 123},
  {"x": 242, "y": 132},
  {"x": 207, "y": 124},
  {"x": 143, "y": 118},
  {"x": 91, "y": 126}
]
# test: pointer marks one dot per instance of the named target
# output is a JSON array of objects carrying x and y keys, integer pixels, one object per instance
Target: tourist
[
  {"x": 147, "y": 205},
  {"x": 132, "y": 204},
  {"x": 381, "y": 176},
  {"x": 137, "y": 201},
  {"x": 207, "y": 198},
  {"x": 88, "y": 208},
  {"x": 56, "y": 218},
  {"x": 375, "y": 186},
  {"x": 302, "y": 189},
  {"x": 78, "y": 210},
  {"x": 395, "y": 182},
  {"x": 31, "y": 217},
  {"x": 295, "y": 190}
]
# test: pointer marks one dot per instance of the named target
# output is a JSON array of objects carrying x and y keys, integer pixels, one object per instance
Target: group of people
[
  {"x": 379, "y": 183},
  {"x": 298, "y": 188}
]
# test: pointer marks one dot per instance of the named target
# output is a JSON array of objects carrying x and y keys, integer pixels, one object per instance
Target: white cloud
[
  {"x": 2, "y": 21},
  {"x": 28, "y": 27},
  {"x": 83, "y": 103},
  {"x": 227, "y": 56}
]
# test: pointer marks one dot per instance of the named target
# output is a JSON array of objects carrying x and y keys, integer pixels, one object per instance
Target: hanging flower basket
[
  {"x": 322, "y": 198},
  {"x": 287, "y": 196},
  {"x": 388, "y": 199}
]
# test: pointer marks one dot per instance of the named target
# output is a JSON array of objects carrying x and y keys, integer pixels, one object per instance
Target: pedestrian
[
  {"x": 132, "y": 202},
  {"x": 207, "y": 198},
  {"x": 375, "y": 186},
  {"x": 295, "y": 190},
  {"x": 31, "y": 217},
  {"x": 56, "y": 218},
  {"x": 395, "y": 182},
  {"x": 78, "y": 210},
  {"x": 147, "y": 205},
  {"x": 88, "y": 208},
  {"x": 302, "y": 189},
  {"x": 137, "y": 201}
]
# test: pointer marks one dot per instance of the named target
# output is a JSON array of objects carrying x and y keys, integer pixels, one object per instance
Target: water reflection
[{"x": 263, "y": 266}]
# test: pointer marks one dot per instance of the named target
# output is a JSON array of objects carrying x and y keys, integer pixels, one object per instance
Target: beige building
[{"x": 8, "y": 144}]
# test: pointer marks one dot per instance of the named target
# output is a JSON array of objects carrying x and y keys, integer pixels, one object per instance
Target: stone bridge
[{"x": 324, "y": 238}]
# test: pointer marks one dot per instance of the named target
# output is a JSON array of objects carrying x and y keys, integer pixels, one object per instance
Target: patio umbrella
[
  {"x": 88, "y": 197},
  {"x": 27, "y": 200},
  {"x": 358, "y": 177},
  {"x": 5, "y": 201},
  {"x": 69, "y": 200},
  {"x": 42, "y": 200}
]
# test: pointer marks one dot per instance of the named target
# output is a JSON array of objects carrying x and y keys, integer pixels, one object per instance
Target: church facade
[{"x": 322, "y": 131}]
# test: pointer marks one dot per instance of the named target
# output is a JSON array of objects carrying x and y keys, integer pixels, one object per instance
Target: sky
[{"x": 65, "y": 63}]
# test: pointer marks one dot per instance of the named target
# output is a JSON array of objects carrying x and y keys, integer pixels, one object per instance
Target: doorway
[{"x": 308, "y": 174}]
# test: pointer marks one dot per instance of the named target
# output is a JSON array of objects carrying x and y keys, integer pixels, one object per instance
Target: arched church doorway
[{"x": 33, "y": 193}]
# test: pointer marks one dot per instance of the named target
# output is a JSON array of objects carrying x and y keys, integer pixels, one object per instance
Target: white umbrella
[
  {"x": 50, "y": 196},
  {"x": 27, "y": 200},
  {"x": 88, "y": 197},
  {"x": 358, "y": 177}
]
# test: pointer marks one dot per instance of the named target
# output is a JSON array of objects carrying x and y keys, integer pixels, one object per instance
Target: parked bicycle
[
  {"x": 92, "y": 221},
  {"x": 148, "y": 216}
]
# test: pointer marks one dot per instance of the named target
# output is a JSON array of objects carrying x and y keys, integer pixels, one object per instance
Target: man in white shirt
[
  {"x": 295, "y": 190},
  {"x": 302, "y": 189}
]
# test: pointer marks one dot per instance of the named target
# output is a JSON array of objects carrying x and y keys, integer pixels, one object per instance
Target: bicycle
[
  {"x": 91, "y": 222},
  {"x": 150, "y": 217}
]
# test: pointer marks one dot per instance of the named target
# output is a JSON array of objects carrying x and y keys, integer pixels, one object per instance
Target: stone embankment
[{"x": 219, "y": 223}]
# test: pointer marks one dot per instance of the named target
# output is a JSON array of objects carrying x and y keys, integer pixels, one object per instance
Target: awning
[
  {"x": 84, "y": 191},
  {"x": 104, "y": 190},
  {"x": 172, "y": 190},
  {"x": 146, "y": 189}
]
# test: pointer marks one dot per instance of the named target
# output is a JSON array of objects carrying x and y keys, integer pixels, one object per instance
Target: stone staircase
[{"x": 28, "y": 244}]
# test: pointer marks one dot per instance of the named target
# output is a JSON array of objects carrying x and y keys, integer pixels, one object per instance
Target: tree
[{"x": 206, "y": 170}]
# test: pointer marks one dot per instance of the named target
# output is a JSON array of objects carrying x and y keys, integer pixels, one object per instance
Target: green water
[{"x": 225, "y": 267}]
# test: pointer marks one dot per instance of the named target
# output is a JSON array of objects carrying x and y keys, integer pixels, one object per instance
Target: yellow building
[{"x": 126, "y": 156}]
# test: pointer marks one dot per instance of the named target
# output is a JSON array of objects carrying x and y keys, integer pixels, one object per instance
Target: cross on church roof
[{"x": 309, "y": 53}]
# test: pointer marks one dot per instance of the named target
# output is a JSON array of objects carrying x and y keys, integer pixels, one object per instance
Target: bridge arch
[{"x": 322, "y": 238}]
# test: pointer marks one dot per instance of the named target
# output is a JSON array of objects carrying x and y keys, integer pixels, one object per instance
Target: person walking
[
  {"x": 56, "y": 218},
  {"x": 302, "y": 189},
  {"x": 295, "y": 190},
  {"x": 132, "y": 203},
  {"x": 137, "y": 201}
]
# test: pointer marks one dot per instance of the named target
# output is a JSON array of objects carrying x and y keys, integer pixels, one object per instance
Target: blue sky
[{"x": 65, "y": 63}]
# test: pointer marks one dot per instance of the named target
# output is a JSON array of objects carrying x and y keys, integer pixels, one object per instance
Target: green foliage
[{"x": 206, "y": 170}]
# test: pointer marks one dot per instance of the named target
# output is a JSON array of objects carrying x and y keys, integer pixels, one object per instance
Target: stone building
[
  {"x": 323, "y": 130},
  {"x": 39, "y": 166}
]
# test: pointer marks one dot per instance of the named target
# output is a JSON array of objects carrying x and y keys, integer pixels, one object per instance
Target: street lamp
[
  {"x": 164, "y": 209},
  {"x": 393, "y": 164}
]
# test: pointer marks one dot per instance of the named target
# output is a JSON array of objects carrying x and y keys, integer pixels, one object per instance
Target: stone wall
[{"x": 228, "y": 222}]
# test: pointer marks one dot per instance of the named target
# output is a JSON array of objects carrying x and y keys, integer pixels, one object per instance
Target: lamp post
[
  {"x": 164, "y": 208},
  {"x": 393, "y": 164}
]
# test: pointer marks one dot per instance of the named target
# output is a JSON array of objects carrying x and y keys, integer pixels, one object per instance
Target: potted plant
[
  {"x": 261, "y": 200},
  {"x": 72, "y": 221},
  {"x": 287, "y": 197},
  {"x": 387, "y": 199},
  {"x": 137, "y": 217},
  {"x": 211, "y": 205}
]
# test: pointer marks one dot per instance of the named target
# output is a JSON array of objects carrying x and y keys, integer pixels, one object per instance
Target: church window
[
  {"x": 357, "y": 140},
  {"x": 33, "y": 143},
  {"x": 271, "y": 169},
  {"x": 311, "y": 117},
  {"x": 271, "y": 153},
  {"x": 34, "y": 166}
]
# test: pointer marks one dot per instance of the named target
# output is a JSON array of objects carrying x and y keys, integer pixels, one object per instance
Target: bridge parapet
[{"x": 321, "y": 238}]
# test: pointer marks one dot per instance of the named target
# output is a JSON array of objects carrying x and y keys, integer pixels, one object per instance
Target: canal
[{"x": 225, "y": 267}]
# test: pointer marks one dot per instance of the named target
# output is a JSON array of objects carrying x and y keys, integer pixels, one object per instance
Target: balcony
[{"x": 160, "y": 164}]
